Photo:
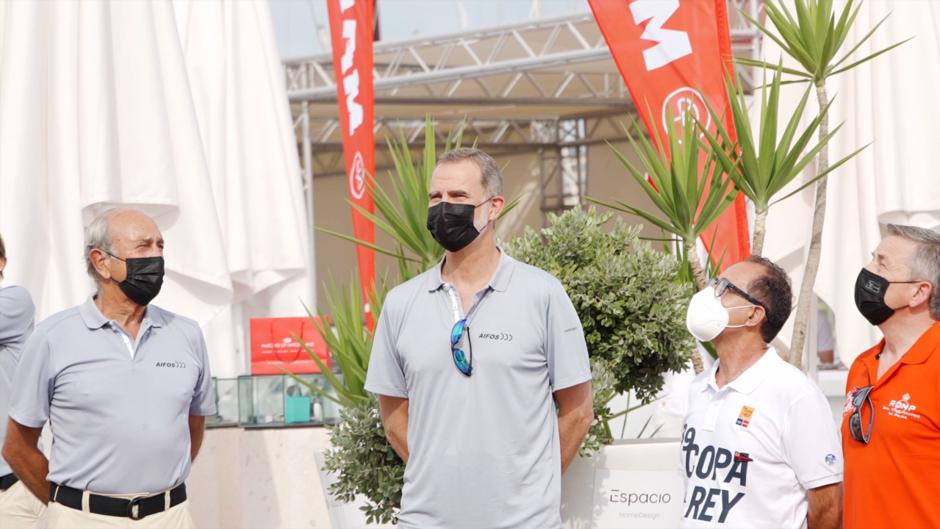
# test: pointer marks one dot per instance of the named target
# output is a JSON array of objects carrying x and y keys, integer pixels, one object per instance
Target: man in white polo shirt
[
  {"x": 125, "y": 386},
  {"x": 760, "y": 447},
  {"x": 19, "y": 509},
  {"x": 470, "y": 360}
]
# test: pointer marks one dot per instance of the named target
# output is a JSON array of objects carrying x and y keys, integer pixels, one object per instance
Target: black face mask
[
  {"x": 870, "y": 289},
  {"x": 451, "y": 225},
  {"x": 144, "y": 278}
]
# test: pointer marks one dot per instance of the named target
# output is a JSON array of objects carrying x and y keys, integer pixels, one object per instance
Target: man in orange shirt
[{"x": 891, "y": 420}]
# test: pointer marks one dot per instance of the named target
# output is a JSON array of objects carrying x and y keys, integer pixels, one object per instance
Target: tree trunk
[
  {"x": 692, "y": 255},
  {"x": 760, "y": 228},
  {"x": 798, "y": 341}
]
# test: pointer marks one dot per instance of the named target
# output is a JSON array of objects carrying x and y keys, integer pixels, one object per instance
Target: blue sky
[{"x": 302, "y": 28}]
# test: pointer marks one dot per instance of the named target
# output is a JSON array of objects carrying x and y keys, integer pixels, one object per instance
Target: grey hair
[
  {"x": 925, "y": 264},
  {"x": 98, "y": 236},
  {"x": 489, "y": 169}
]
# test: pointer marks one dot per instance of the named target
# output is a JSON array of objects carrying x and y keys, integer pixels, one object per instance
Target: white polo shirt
[{"x": 752, "y": 449}]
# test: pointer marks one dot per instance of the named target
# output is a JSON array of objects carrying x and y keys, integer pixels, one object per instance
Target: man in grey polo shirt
[
  {"x": 125, "y": 386},
  {"x": 470, "y": 360},
  {"x": 19, "y": 509}
]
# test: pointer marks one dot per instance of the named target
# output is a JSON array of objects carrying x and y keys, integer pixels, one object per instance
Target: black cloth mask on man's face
[
  {"x": 144, "y": 278},
  {"x": 451, "y": 224},
  {"x": 870, "y": 289}
]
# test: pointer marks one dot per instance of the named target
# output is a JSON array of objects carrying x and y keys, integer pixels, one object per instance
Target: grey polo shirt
[
  {"x": 16, "y": 324},
  {"x": 118, "y": 408},
  {"x": 484, "y": 449}
]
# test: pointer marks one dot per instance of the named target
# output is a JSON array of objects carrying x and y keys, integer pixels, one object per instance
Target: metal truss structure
[{"x": 548, "y": 87}]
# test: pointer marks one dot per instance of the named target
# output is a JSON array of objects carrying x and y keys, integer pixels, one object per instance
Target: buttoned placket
[
  {"x": 145, "y": 327},
  {"x": 716, "y": 400},
  {"x": 456, "y": 303}
]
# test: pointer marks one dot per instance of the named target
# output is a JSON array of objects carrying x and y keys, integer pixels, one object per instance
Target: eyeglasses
[
  {"x": 722, "y": 285},
  {"x": 859, "y": 397},
  {"x": 460, "y": 358}
]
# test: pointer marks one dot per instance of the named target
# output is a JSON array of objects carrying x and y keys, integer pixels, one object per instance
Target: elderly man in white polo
[{"x": 125, "y": 386}]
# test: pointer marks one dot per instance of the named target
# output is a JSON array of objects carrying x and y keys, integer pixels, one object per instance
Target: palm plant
[
  {"x": 402, "y": 206},
  {"x": 814, "y": 34},
  {"x": 764, "y": 164},
  {"x": 349, "y": 339},
  {"x": 685, "y": 181},
  {"x": 688, "y": 193}
]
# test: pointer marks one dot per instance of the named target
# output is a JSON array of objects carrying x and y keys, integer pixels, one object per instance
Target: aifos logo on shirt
[
  {"x": 173, "y": 365},
  {"x": 495, "y": 336}
]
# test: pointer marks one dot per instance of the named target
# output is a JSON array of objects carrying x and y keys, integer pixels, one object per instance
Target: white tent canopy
[
  {"x": 178, "y": 109},
  {"x": 890, "y": 102}
]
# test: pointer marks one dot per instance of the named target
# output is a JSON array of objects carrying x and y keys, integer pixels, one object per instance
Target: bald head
[{"x": 120, "y": 232}]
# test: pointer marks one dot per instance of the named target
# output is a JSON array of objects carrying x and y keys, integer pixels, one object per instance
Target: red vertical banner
[
  {"x": 351, "y": 26},
  {"x": 672, "y": 55}
]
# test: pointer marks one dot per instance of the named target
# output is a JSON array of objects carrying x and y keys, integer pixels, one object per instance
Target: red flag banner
[
  {"x": 672, "y": 55},
  {"x": 351, "y": 35}
]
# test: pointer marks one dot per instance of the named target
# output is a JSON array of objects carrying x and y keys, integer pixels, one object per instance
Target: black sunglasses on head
[{"x": 722, "y": 285}]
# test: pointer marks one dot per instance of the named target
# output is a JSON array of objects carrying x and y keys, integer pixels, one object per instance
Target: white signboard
[{"x": 634, "y": 499}]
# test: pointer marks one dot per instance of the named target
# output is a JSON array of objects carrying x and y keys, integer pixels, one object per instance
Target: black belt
[
  {"x": 8, "y": 481},
  {"x": 108, "y": 506}
]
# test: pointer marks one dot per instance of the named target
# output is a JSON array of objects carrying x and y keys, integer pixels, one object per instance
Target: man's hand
[
  {"x": 27, "y": 462},
  {"x": 197, "y": 430},
  {"x": 575, "y": 413},
  {"x": 395, "y": 420},
  {"x": 825, "y": 507}
]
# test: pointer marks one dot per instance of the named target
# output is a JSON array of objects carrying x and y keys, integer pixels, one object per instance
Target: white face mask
[{"x": 707, "y": 317}]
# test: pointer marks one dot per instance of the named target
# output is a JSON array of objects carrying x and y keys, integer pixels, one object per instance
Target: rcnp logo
[
  {"x": 357, "y": 177},
  {"x": 903, "y": 408},
  {"x": 903, "y": 404},
  {"x": 682, "y": 104}
]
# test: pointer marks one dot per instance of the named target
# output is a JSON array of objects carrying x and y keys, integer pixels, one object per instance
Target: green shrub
[
  {"x": 627, "y": 296},
  {"x": 365, "y": 463}
]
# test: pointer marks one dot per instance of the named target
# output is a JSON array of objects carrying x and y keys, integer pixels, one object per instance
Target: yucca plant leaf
[
  {"x": 831, "y": 168},
  {"x": 763, "y": 64},
  {"x": 371, "y": 246},
  {"x": 869, "y": 57}
]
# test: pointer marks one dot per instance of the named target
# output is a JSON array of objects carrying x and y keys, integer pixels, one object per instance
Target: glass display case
[
  {"x": 280, "y": 400},
  {"x": 226, "y": 401}
]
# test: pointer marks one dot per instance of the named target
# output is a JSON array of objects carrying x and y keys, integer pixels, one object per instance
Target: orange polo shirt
[{"x": 894, "y": 481}]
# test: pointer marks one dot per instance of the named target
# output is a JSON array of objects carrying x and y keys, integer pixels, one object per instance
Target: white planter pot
[{"x": 627, "y": 485}]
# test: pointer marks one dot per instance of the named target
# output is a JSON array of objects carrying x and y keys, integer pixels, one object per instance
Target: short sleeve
[
  {"x": 203, "y": 403},
  {"x": 33, "y": 383},
  {"x": 811, "y": 441},
  {"x": 16, "y": 315},
  {"x": 385, "y": 375},
  {"x": 565, "y": 347}
]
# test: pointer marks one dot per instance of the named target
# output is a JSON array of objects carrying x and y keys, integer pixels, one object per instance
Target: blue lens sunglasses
[{"x": 460, "y": 358}]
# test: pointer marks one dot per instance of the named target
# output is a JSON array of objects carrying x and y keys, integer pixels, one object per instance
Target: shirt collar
[
  {"x": 917, "y": 354},
  {"x": 94, "y": 319},
  {"x": 499, "y": 282},
  {"x": 750, "y": 379}
]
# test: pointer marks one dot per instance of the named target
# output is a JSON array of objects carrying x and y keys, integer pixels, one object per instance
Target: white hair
[{"x": 98, "y": 236}]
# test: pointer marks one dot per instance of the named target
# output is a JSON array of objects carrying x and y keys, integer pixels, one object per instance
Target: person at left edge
[
  {"x": 19, "y": 508},
  {"x": 125, "y": 387}
]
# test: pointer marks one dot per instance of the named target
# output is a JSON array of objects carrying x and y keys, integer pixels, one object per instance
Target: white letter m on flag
[{"x": 671, "y": 44}]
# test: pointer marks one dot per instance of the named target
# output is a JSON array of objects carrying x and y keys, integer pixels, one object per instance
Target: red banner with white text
[
  {"x": 672, "y": 55},
  {"x": 351, "y": 36}
]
